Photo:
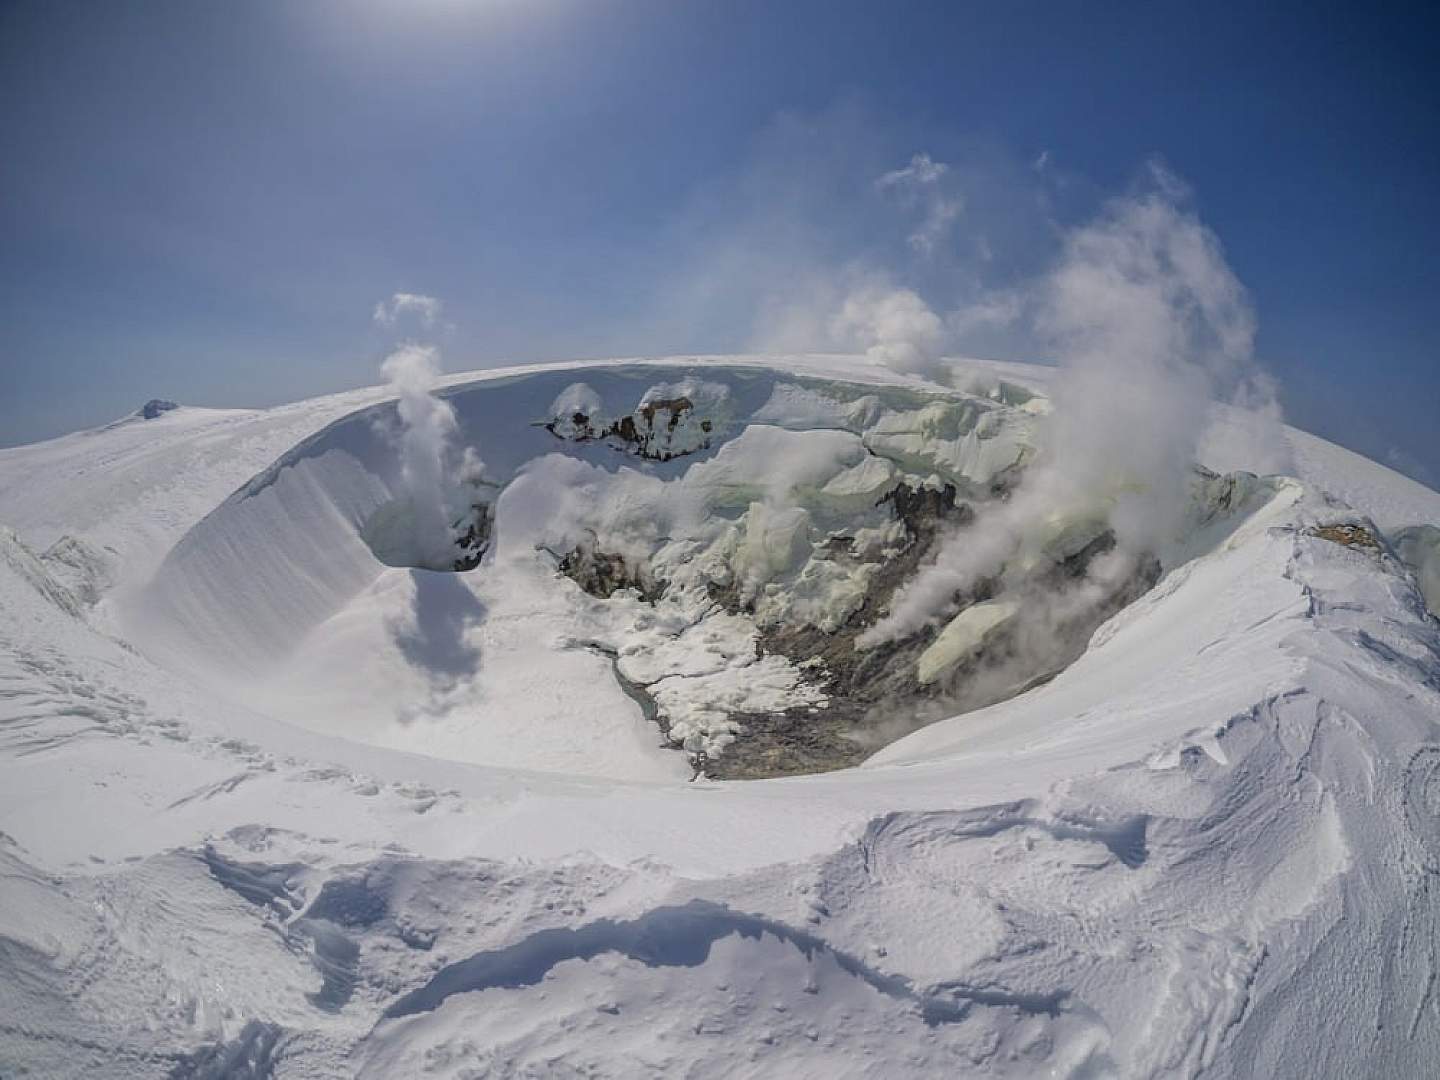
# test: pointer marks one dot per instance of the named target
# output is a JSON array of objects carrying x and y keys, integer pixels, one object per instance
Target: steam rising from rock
[
  {"x": 434, "y": 471},
  {"x": 892, "y": 325},
  {"x": 1151, "y": 325}
]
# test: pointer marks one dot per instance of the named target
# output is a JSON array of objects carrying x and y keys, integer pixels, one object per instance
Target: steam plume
[
  {"x": 1151, "y": 325},
  {"x": 433, "y": 470},
  {"x": 426, "y": 309},
  {"x": 892, "y": 325}
]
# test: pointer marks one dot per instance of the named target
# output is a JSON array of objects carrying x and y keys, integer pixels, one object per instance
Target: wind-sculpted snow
[
  {"x": 1419, "y": 548},
  {"x": 282, "y": 810},
  {"x": 665, "y": 937},
  {"x": 1422, "y": 803},
  {"x": 250, "y": 1056}
]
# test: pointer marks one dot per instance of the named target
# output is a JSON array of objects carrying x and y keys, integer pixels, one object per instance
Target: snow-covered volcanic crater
[{"x": 709, "y": 717}]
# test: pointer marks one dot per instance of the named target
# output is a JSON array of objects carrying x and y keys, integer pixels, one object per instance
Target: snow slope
[{"x": 273, "y": 808}]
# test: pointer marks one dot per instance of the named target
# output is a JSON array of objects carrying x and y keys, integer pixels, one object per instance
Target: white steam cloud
[
  {"x": 425, "y": 309},
  {"x": 854, "y": 312},
  {"x": 436, "y": 475},
  {"x": 862, "y": 311},
  {"x": 858, "y": 310},
  {"x": 427, "y": 426},
  {"x": 833, "y": 247},
  {"x": 892, "y": 325},
  {"x": 1151, "y": 325}
]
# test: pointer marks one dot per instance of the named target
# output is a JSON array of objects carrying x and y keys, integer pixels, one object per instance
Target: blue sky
[{"x": 205, "y": 201}]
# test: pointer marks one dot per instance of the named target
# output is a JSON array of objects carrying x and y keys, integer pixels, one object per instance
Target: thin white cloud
[
  {"x": 922, "y": 184},
  {"x": 996, "y": 309},
  {"x": 425, "y": 308},
  {"x": 922, "y": 170}
]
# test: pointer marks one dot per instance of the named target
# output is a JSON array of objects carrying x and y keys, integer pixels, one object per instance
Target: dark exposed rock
[
  {"x": 789, "y": 743},
  {"x": 674, "y": 408},
  {"x": 155, "y": 406},
  {"x": 473, "y": 539},
  {"x": 923, "y": 508},
  {"x": 880, "y": 684},
  {"x": 602, "y": 574},
  {"x": 818, "y": 740},
  {"x": 1351, "y": 536},
  {"x": 647, "y": 432}
]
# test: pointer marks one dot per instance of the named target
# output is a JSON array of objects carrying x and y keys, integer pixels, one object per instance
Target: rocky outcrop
[
  {"x": 154, "y": 407},
  {"x": 669, "y": 422},
  {"x": 472, "y": 537},
  {"x": 1348, "y": 535},
  {"x": 602, "y": 574},
  {"x": 649, "y": 432}
]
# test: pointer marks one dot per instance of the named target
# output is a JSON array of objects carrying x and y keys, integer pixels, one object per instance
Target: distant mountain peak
[{"x": 154, "y": 407}]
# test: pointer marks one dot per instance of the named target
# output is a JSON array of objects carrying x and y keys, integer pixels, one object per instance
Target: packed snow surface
[{"x": 275, "y": 802}]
